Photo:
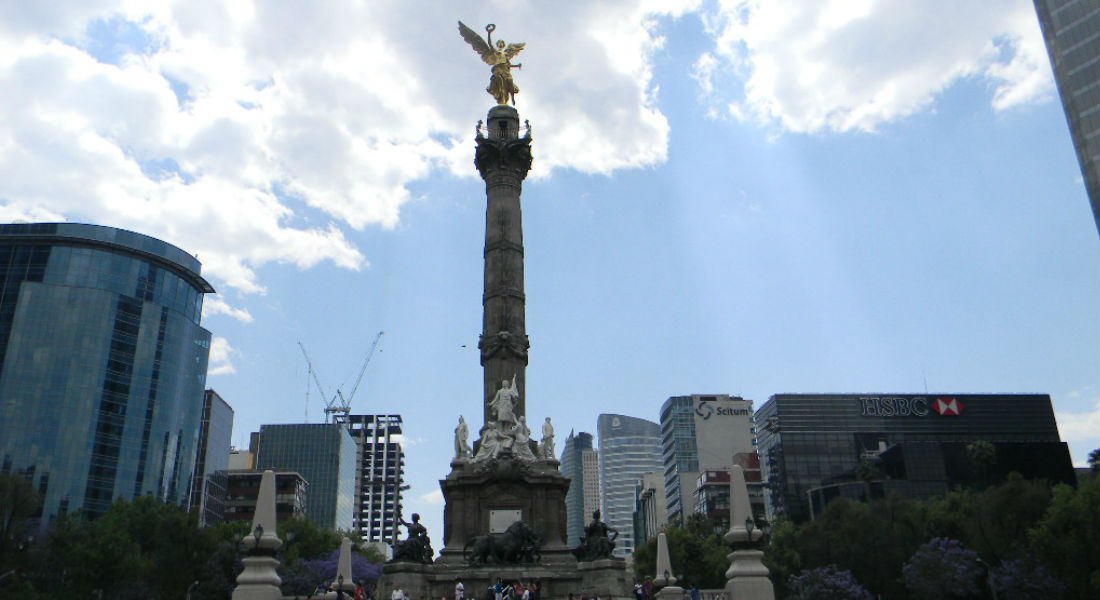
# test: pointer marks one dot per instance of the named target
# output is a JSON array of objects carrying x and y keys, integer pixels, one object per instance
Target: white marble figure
[
  {"x": 491, "y": 444},
  {"x": 462, "y": 440},
  {"x": 546, "y": 448},
  {"x": 504, "y": 403},
  {"x": 521, "y": 446}
]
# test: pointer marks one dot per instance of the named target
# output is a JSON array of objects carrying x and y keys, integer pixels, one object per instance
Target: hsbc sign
[{"x": 904, "y": 406}]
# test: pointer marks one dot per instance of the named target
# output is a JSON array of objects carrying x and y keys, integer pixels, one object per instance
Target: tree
[
  {"x": 304, "y": 540},
  {"x": 1094, "y": 461},
  {"x": 18, "y": 505},
  {"x": 1025, "y": 578},
  {"x": 826, "y": 583},
  {"x": 871, "y": 540},
  {"x": 982, "y": 455},
  {"x": 699, "y": 560},
  {"x": 1067, "y": 538},
  {"x": 781, "y": 555},
  {"x": 942, "y": 569},
  {"x": 303, "y": 576}
]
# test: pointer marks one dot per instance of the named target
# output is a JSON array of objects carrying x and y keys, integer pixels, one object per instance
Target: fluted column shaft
[{"x": 503, "y": 159}]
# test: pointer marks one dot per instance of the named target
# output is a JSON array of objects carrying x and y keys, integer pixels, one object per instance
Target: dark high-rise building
[
  {"x": 381, "y": 475},
  {"x": 580, "y": 463},
  {"x": 700, "y": 433},
  {"x": 215, "y": 437},
  {"x": 243, "y": 487},
  {"x": 629, "y": 448},
  {"x": 1071, "y": 29},
  {"x": 325, "y": 455},
  {"x": 812, "y": 445},
  {"x": 102, "y": 364}
]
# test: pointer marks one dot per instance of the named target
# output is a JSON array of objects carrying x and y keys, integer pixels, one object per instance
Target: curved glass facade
[
  {"x": 629, "y": 448},
  {"x": 102, "y": 364}
]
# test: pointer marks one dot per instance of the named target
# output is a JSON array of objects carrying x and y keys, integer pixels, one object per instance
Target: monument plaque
[{"x": 500, "y": 520}]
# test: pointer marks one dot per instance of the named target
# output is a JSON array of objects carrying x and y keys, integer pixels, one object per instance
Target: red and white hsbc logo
[
  {"x": 947, "y": 407},
  {"x": 906, "y": 406}
]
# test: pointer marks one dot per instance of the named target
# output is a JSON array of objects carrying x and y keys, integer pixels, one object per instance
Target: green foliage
[
  {"x": 305, "y": 540},
  {"x": 1067, "y": 538},
  {"x": 18, "y": 503},
  {"x": 1094, "y": 460},
  {"x": 781, "y": 556},
  {"x": 870, "y": 540},
  {"x": 993, "y": 522},
  {"x": 696, "y": 559},
  {"x": 137, "y": 549}
]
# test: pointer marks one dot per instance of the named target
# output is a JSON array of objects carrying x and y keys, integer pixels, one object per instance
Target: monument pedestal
[
  {"x": 488, "y": 496},
  {"x": 606, "y": 578},
  {"x": 748, "y": 577}
]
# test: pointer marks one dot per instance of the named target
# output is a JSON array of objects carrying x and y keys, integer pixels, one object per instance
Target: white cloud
[
  {"x": 221, "y": 354},
  {"x": 843, "y": 65},
  {"x": 1079, "y": 426},
  {"x": 253, "y": 136},
  {"x": 215, "y": 305},
  {"x": 432, "y": 498}
]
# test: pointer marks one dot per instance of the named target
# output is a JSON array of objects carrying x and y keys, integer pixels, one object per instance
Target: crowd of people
[{"x": 517, "y": 590}]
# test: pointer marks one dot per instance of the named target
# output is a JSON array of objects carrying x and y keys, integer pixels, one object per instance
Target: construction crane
[
  {"x": 344, "y": 405},
  {"x": 313, "y": 375}
]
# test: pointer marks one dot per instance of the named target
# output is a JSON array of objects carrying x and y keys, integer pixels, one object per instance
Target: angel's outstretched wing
[
  {"x": 513, "y": 49},
  {"x": 476, "y": 42}
]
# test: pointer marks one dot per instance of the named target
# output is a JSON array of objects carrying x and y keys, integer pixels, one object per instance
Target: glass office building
[
  {"x": 1071, "y": 29},
  {"x": 700, "y": 432},
  {"x": 215, "y": 436},
  {"x": 102, "y": 364},
  {"x": 579, "y": 462},
  {"x": 629, "y": 448},
  {"x": 325, "y": 455},
  {"x": 812, "y": 445}
]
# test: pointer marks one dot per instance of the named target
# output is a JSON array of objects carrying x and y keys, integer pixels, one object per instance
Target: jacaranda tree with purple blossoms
[
  {"x": 303, "y": 576},
  {"x": 942, "y": 569},
  {"x": 1025, "y": 579},
  {"x": 826, "y": 583}
]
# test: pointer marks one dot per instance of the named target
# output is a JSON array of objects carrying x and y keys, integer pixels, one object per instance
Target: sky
[{"x": 727, "y": 197}]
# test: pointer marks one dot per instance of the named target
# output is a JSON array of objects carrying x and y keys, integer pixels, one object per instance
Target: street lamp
[{"x": 191, "y": 587}]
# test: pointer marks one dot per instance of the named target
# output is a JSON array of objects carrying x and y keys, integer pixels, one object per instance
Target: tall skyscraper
[
  {"x": 1071, "y": 29},
  {"x": 699, "y": 433},
  {"x": 215, "y": 435},
  {"x": 580, "y": 463},
  {"x": 325, "y": 455},
  {"x": 381, "y": 474},
  {"x": 102, "y": 364},
  {"x": 629, "y": 448}
]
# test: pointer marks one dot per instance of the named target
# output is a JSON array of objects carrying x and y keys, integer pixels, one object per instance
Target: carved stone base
[
  {"x": 535, "y": 490},
  {"x": 258, "y": 580},
  {"x": 608, "y": 578},
  {"x": 748, "y": 577}
]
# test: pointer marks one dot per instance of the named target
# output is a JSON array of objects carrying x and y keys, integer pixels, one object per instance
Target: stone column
[
  {"x": 665, "y": 578},
  {"x": 258, "y": 580},
  {"x": 747, "y": 577},
  {"x": 503, "y": 158},
  {"x": 343, "y": 581}
]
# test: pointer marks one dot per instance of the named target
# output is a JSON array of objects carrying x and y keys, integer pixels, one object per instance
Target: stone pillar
[
  {"x": 258, "y": 580},
  {"x": 503, "y": 158},
  {"x": 747, "y": 577},
  {"x": 343, "y": 581},
  {"x": 665, "y": 577}
]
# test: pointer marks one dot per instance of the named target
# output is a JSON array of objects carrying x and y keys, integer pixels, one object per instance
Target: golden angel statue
[{"x": 501, "y": 85}]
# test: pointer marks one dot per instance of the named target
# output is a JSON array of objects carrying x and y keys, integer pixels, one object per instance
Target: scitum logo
[
  {"x": 947, "y": 407},
  {"x": 704, "y": 410}
]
